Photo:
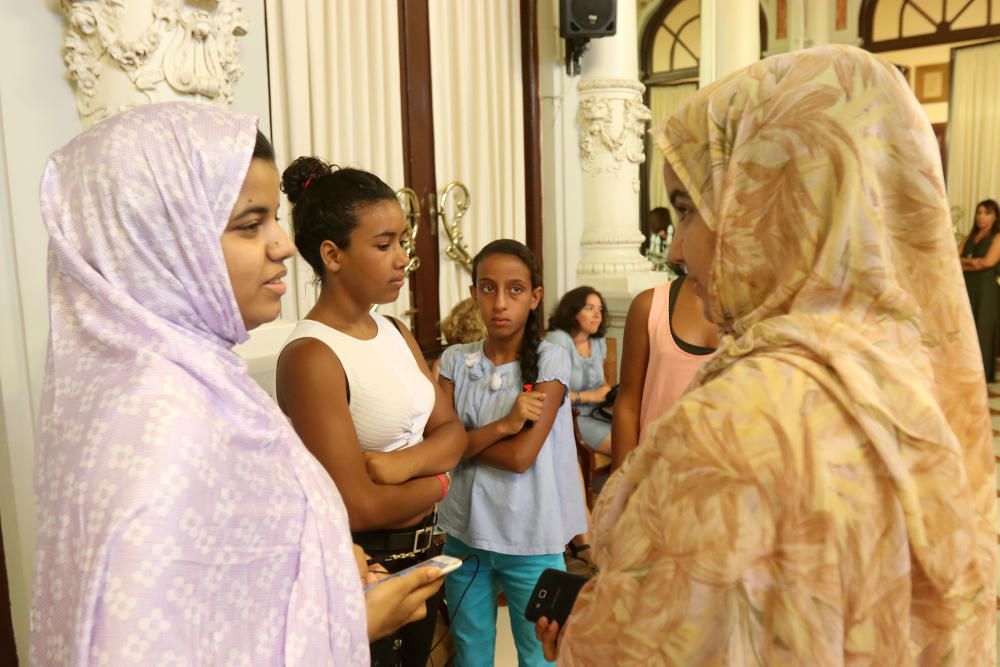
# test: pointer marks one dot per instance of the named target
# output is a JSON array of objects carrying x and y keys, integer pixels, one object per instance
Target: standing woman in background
[
  {"x": 980, "y": 253},
  {"x": 355, "y": 385},
  {"x": 181, "y": 521},
  {"x": 578, "y": 325}
]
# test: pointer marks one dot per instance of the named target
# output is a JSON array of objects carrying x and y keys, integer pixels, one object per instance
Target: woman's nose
[
  {"x": 676, "y": 252},
  {"x": 280, "y": 247}
]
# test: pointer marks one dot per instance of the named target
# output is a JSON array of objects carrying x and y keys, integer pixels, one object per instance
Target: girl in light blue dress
[{"x": 515, "y": 498}]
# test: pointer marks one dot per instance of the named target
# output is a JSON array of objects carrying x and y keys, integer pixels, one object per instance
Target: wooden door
[{"x": 418, "y": 155}]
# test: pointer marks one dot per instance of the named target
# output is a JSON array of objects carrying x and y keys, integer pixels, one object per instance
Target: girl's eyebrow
[{"x": 258, "y": 209}]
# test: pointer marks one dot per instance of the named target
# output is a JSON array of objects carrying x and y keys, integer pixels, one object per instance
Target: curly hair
[
  {"x": 463, "y": 324},
  {"x": 528, "y": 354},
  {"x": 326, "y": 201},
  {"x": 570, "y": 305}
]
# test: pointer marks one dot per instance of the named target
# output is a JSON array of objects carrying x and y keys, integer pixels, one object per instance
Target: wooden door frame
[
  {"x": 418, "y": 164},
  {"x": 418, "y": 152},
  {"x": 532, "y": 129}
]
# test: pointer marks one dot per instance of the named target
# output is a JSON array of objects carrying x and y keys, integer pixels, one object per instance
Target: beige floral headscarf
[{"x": 852, "y": 375}]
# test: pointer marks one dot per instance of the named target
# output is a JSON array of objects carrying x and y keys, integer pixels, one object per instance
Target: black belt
[{"x": 405, "y": 542}]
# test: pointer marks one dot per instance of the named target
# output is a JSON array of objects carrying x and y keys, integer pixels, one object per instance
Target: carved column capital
[
  {"x": 612, "y": 120},
  {"x": 121, "y": 55}
]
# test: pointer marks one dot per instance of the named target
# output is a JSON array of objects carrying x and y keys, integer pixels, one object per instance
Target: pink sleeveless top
[{"x": 670, "y": 369}]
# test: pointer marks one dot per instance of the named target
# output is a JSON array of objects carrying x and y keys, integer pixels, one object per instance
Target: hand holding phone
[
  {"x": 444, "y": 564},
  {"x": 554, "y": 596},
  {"x": 401, "y": 598}
]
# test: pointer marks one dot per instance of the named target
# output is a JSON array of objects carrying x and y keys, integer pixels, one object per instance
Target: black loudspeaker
[{"x": 587, "y": 18}]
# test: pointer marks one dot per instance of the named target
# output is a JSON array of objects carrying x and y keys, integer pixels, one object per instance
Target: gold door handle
[
  {"x": 410, "y": 204},
  {"x": 455, "y": 197}
]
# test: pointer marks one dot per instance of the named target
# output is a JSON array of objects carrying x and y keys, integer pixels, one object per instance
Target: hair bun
[{"x": 298, "y": 173}]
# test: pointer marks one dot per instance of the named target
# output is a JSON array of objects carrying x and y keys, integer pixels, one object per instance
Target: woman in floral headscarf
[{"x": 824, "y": 493}]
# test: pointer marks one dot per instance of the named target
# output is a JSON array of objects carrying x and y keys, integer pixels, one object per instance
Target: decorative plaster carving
[
  {"x": 640, "y": 265},
  {"x": 120, "y": 55},
  {"x": 612, "y": 236},
  {"x": 606, "y": 84},
  {"x": 611, "y": 132}
]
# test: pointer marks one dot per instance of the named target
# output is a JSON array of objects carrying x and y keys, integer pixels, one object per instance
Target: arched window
[
  {"x": 671, "y": 42},
  {"x": 888, "y": 25},
  {"x": 670, "y": 51}
]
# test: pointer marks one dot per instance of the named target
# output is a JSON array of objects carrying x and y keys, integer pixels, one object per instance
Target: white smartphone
[{"x": 444, "y": 563}]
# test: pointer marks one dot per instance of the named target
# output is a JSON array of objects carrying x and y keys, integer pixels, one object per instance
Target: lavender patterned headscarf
[{"x": 181, "y": 520}]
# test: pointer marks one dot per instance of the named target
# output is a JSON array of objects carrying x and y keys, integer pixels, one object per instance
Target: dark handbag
[{"x": 603, "y": 411}]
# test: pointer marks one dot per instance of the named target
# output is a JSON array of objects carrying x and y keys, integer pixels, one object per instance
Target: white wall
[{"x": 37, "y": 115}]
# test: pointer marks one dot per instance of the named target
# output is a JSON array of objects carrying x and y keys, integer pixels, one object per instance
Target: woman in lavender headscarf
[{"x": 181, "y": 519}]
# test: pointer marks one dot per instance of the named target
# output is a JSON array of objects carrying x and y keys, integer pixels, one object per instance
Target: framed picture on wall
[{"x": 930, "y": 83}]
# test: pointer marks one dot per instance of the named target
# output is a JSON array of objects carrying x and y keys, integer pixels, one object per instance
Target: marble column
[
  {"x": 730, "y": 38},
  {"x": 819, "y": 21},
  {"x": 120, "y": 55},
  {"x": 612, "y": 121}
]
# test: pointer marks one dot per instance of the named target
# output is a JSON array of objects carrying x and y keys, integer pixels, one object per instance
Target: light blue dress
[
  {"x": 535, "y": 512},
  {"x": 507, "y": 527},
  {"x": 587, "y": 374}
]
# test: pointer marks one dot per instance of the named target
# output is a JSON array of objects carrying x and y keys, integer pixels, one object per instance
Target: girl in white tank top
[{"x": 355, "y": 385}]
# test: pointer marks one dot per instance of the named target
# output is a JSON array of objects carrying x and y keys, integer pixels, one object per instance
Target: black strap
[
  {"x": 675, "y": 289},
  {"x": 416, "y": 539}
]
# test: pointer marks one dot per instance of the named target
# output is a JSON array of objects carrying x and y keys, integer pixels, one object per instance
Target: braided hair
[
  {"x": 326, "y": 201},
  {"x": 528, "y": 353}
]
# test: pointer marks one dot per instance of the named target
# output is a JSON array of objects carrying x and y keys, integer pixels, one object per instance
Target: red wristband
[{"x": 443, "y": 478}]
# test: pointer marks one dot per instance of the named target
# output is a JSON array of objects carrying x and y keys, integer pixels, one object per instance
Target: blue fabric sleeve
[
  {"x": 449, "y": 360},
  {"x": 600, "y": 346},
  {"x": 553, "y": 363}
]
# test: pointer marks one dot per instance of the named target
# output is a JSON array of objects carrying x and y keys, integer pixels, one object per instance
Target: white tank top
[{"x": 390, "y": 398}]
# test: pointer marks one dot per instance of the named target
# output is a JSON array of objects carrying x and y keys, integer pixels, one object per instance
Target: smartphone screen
[{"x": 444, "y": 563}]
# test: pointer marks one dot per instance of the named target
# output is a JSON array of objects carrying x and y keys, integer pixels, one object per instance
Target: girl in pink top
[{"x": 666, "y": 341}]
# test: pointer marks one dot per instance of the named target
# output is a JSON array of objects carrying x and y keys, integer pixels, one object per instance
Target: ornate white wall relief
[
  {"x": 612, "y": 121},
  {"x": 121, "y": 54}
]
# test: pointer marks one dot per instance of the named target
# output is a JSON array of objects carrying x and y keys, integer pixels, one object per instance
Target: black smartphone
[{"x": 554, "y": 596}]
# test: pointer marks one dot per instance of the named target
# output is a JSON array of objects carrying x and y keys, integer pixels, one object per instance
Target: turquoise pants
[{"x": 474, "y": 622}]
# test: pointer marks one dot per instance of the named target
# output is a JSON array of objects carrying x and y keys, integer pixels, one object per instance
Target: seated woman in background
[
  {"x": 578, "y": 325},
  {"x": 980, "y": 254},
  {"x": 825, "y": 493},
  {"x": 355, "y": 385},
  {"x": 181, "y": 521},
  {"x": 667, "y": 340}
]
